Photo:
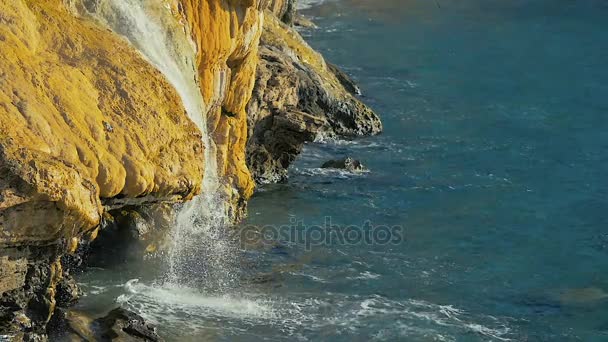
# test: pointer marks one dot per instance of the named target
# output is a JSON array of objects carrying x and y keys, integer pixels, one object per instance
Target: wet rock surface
[
  {"x": 348, "y": 164},
  {"x": 118, "y": 325},
  {"x": 29, "y": 280},
  {"x": 128, "y": 235},
  {"x": 68, "y": 291},
  {"x": 124, "y": 325},
  {"x": 347, "y": 82},
  {"x": 304, "y": 22}
]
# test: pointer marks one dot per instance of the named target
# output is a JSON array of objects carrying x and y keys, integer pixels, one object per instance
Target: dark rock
[
  {"x": 285, "y": 10},
  {"x": 29, "y": 275},
  {"x": 124, "y": 325},
  {"x": 129, "y": 235},
  {"x": 345, "y": 80},
  {"x": 31, "y": 337},
  {"x": 108, "y": 127},
  {"x": 36, "y": 283},
  {"x": 304, "y": 22},
  {"x": 118, "y": 325},
  {"x": 264, "y": 278},
  {"x": 289, "y": 15},
  {"x": 67, "y": 292},
  {"x": 348, "y": 164}
]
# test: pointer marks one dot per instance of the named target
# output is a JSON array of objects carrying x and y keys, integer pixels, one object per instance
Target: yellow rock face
[
  {"x": 84, "y": 118},
  {"x": 226, "y": 33},
  {"x": 280, "y": 35}
]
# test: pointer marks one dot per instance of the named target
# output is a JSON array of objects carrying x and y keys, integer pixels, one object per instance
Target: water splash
[
  {"x": 199, "y": 252},
  {"x": 183, "y": 312}
]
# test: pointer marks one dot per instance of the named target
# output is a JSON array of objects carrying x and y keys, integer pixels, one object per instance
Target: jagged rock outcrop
[{"x": 298, "y": 97}]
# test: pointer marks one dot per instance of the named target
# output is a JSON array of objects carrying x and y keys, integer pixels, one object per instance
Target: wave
[
  {"x": 184, "y": 311},
  {"x": 304, "y": 4},
  {"x": 365, "y": 275},
  {"x": 329, "y": 172}
]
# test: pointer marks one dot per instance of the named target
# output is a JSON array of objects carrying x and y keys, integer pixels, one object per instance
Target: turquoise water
[{"x": 493, "y": 162}]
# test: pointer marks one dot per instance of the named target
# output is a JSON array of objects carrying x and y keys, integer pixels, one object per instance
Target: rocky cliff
[
  {"x": 91, "y": 121},
  {"x": 298, "y": 97}
]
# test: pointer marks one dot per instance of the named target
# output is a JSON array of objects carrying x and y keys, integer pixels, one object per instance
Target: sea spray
[{"x": 200, "y": 255}]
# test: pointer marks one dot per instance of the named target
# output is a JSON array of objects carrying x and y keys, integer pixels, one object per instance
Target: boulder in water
[
  {"x": 348, "y": 164},
  {"x": 118, "y": 325},
  {"x": 124, "y": 325}
]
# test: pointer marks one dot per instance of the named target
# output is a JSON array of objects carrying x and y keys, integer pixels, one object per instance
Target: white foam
[
  {"x": 304, "y": 4},
  {"x": 169, "y": 300},
  {"x": 186, "y": 311},
  {"x": 330, "y": 172},
  {"x": 365, "y": 275}
]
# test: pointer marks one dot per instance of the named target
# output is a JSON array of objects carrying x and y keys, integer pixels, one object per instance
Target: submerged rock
[
  {"x": 582, "y": 296},
  {"x": 70, "y": 325},
  {"x": 348, "y": 164}
]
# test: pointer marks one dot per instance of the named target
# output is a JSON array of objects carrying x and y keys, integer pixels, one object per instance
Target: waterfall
[{"x": 199, "y": 252}]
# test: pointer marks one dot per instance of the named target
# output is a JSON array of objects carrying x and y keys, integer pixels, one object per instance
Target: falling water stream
[{"x": 198, "y": 255}]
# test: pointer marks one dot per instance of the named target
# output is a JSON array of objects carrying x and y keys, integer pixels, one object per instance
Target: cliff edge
[{"x": 298, "y": 97}]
